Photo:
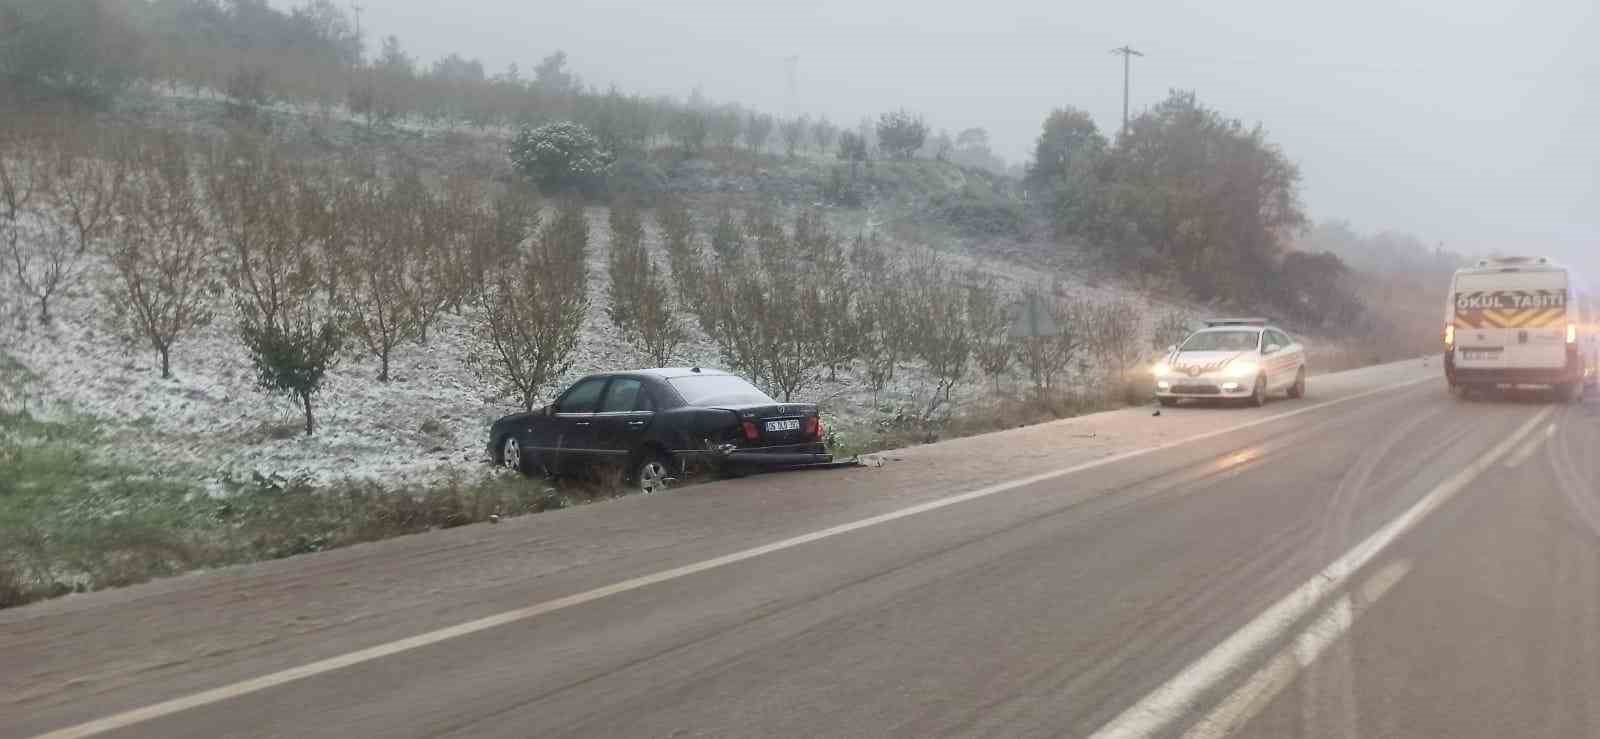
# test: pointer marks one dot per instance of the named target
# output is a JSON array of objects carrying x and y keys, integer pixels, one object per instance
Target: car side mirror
[
  {"x": 548, "y": 410},
  {"x": 1271, "y": 349}
]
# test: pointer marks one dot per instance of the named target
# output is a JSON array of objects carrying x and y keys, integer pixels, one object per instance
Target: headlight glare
[{"x": 1241, "y": 369}]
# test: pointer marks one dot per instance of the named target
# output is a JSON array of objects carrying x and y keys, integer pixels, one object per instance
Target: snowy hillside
[{"x": 211, "y": 423}]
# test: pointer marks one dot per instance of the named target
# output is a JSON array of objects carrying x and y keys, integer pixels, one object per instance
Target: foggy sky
[{"x": 1465, "y": 123}]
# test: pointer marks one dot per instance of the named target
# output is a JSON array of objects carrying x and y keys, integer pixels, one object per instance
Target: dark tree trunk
[
  {"x": 166, "y": 362},
  {"x": 305, "y": 401}
]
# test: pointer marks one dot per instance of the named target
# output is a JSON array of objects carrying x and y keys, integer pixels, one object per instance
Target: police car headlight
[
  {"x": 1161, "y": 368},
  {"x": 1241, "y": 369}
]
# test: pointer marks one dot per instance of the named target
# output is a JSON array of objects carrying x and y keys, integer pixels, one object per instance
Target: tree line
[
  {"x": 789, "y": 304},
  {"x": 307, "y": 262}
]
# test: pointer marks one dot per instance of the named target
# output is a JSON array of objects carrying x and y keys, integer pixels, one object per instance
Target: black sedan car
[{"x": 657, "y": 422}]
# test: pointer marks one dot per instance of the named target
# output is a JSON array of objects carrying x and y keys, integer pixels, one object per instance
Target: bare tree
[
  {"x": 436, "y": 228},
  {"x": 1170, "y": 329},
  {"x": 761, "y": 305},
  {"x": 496, "y": 242},
  {"x": 793, "y": 132},
  {"x": 684, "y": 254},
  {"x": 161, "y": 253},
  {"x": 986, "y": 311},
  {"x": 660, "y": 332},
  {"x": 835, "y": 321},
  {"x": 381, "y": 274},
  {"x": 1045, "y": 358},
  {"x": 255, "y": 200},
  {"x": 531, "y": 316},
  {"x": 1114, "y": 335},
  {"x": 757, "y": 129},
  {"x": 23, "y": 174},
  {"x": 823, "y": 133},
  {"x": 85, "y": 177},
  {"x": 266, "y": 215},
  {"x": 940, "y": 335},
  {"x": 23, "y": 171},
  {"x": 883, "y": 314},
  {"x": 626, "y": 263}
]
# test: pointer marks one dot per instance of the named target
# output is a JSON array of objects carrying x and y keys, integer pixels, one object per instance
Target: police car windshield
[{"x": 1222, "y": 341}]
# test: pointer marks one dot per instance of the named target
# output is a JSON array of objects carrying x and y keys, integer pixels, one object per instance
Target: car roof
[{"x": 664, "y": 373}]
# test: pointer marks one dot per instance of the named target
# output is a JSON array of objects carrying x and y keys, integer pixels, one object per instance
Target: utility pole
[
  {"x": 360, "y": 51},
  {"x": 1128, "y": 53}
]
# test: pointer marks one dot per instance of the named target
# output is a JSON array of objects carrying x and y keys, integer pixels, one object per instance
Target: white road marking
[
  {"x": 1526, "y": 450},
  {"x": 215, "y": 695},
  {"x": 1256, "y": 693},
  {"x": 1176, "y": 698}
]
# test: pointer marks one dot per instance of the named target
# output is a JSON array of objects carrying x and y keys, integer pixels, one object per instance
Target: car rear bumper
[
  {"x": 790, "y": 455},
  {"x": 1572, "y": 373}
]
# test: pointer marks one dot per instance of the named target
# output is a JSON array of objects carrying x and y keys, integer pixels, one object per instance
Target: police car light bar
[{"x": 1214, "y": 322}]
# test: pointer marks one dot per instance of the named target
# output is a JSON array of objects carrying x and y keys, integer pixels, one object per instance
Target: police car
[{"x": 1238, "y": 358}]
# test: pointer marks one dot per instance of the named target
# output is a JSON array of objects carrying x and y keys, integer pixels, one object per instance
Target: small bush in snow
[{"x": 559, "y": 157}]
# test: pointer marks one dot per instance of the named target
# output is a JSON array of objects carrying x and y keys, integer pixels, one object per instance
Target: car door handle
[
  {"x": 580, "y": 423},
  {"x": 636, "y": 423}
]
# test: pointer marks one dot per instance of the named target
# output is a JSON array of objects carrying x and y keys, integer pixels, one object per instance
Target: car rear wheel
[
  {"x": 1298, "y": 389},
  {"x": 1258, "y": 397},
  {"x": 652, "y": 472},
  {"x": 1570, "y": 392}
]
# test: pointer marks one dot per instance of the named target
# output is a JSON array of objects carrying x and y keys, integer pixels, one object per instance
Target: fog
[{"x": 1468, "y": 125}]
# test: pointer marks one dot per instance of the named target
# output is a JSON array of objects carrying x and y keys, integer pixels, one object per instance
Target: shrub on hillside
[
  {"x": 82, "y": 52},
  {"x": 901, "y": 134},
  {"x": 560, "y": 157},
  {"x": 635, "y": 179},
  {"x": 980, "y": 212}
]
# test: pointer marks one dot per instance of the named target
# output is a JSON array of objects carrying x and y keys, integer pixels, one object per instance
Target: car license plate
[
  {"x": 792, "y": 424},
  {"x": 1470, "y": 355}
]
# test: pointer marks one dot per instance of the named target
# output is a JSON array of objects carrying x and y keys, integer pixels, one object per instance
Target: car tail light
[
  {"x": 1572, "y": 333},
  {"x": 1449, "y": 334},
  {"x": 812, "y": 427},
  {"x": 751, "y": 433}
]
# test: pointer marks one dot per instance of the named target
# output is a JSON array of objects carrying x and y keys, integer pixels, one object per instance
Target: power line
[{"x": 1128, "y": 53}]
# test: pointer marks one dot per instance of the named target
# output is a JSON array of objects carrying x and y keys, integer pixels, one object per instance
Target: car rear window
[
  {"x": 717, "y": 390},
  {"x": 1222, "y": 341}
]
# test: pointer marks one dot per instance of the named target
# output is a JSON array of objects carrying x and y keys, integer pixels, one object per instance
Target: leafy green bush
[{"x": 560, "y": 157}]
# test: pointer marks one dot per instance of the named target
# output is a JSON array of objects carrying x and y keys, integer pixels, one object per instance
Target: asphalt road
[{"x": 1377, "y": 560}]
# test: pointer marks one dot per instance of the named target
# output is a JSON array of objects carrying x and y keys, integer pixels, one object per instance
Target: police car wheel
[
  {"x": 1298, "y": 389},
  {"x": 1258, "y": 397}
]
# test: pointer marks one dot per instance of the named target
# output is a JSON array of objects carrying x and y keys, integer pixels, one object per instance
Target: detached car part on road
[
  {"x": 655, "y": 423},
  {"x": 1232, "y": 358}
]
